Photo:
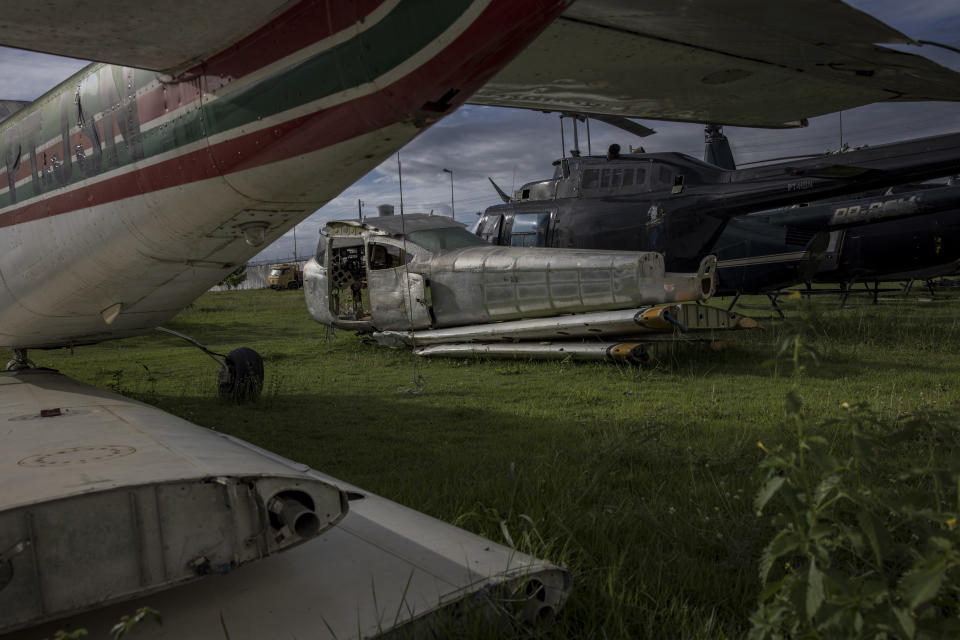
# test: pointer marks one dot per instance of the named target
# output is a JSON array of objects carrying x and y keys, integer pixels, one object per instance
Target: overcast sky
[{"x": 516, "y": 146}]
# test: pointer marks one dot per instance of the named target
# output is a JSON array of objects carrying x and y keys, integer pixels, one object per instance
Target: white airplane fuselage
[{"x": 125, "y": 194}]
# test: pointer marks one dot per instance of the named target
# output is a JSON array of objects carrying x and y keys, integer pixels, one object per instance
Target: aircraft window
[
  {"x": 590, "y": 178},
  {"x": 562, "y": 171},
  {"x": 529, "y": 230},
  {"x": 385, "y": 256},
  {"x": 678, "y": 184},
  {"x": 605, "y": 178},
  {"x": 665, "y": 176},
  {"x": 489, "y": 228},
  {"x": 628, "y": 176},
  {"x": 834, "y": 244},
  {"x": 641, "y": 176},
  {"x": 616, "y": 178},
  {"x": 443, "y": 239}
]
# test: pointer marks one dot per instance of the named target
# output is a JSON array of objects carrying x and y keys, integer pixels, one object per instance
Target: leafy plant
[
  {"x": 119, "y": 630},
  {"x": 862, "y": 549},
  {"x": 236, "y": 277},
  {"x": 127, "y": 623}
]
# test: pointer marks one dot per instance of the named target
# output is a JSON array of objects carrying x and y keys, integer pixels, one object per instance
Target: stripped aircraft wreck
[{"x": 426, "y": 282}]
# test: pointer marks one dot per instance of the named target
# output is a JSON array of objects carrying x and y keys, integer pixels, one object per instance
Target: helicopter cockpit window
[
  {"x": 591, "y": 178},
  {"x": 562, "y": 170},
  {"x": 529, "y": 230},
  {"x": 489, "y": 228},
  {"x": 628, "y": 176},
  {"x": 385, "y": 256}
]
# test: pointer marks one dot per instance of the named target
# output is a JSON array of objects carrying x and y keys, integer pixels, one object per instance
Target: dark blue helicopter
[{"x": 686, "y": 209}]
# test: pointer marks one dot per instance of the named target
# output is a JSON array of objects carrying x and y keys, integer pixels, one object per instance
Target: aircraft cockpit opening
[{"x": 348, "y": 279}]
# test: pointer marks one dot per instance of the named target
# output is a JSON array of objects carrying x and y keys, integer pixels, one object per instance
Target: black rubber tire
[
  {"x": 242, "y": 379},
  {"x": 293, "y": 285}
]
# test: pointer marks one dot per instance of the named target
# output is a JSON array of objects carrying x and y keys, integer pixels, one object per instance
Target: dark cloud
[{"x": 25, "y": 75}]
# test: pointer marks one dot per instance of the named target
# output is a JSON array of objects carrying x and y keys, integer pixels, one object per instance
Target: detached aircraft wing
[
  {"x": 748, "y": 63},
  {"x": 120, "y": 505}
]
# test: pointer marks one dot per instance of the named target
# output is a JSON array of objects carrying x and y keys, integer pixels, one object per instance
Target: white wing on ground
[{"x": 381, "y": 567}]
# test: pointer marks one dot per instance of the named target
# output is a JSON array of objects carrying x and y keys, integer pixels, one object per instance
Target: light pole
[{"x": 453, "y": 213}]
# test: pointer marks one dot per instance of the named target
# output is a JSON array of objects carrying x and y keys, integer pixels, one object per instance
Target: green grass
[{"x": 640, "y": 480}]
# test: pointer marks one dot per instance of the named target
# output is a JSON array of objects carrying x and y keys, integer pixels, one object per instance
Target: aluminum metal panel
[
  {"x": 483, "y": 284},
  {"x": 398, "y": 299}
]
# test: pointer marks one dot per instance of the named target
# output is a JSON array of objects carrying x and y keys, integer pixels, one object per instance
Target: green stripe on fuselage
[
  {"x": 400, "y": 35},
  {"x": 407, "y": 29}
]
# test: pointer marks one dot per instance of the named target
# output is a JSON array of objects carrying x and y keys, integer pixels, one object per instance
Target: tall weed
[{"x": 867, "y": 543}]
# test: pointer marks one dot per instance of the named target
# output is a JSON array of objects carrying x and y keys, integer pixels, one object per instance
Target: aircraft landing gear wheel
[
  {"x": 241, "y": 377},
  {"x": 293, "y": 285},
  {"x": 20, "y": 361}
]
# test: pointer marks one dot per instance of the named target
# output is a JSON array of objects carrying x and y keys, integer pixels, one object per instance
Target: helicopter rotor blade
[
  {"x": 626, "y": 124},
  {"x": 805, "y": 155}
]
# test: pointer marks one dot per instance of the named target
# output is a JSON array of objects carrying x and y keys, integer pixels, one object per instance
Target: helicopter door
[
  {"x": 831, "y": 258},
  {"x": 398, "y": 298}
]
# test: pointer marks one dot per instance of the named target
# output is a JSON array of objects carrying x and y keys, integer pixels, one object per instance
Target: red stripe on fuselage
[
  {"x": 301, "y": 26},
  {"x": 478, "y": 53}
]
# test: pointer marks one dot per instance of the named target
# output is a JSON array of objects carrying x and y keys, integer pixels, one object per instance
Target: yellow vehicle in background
[{"x": 285, "y": 276}]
